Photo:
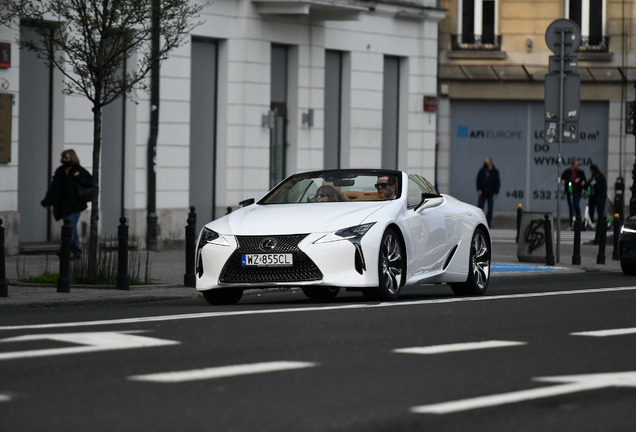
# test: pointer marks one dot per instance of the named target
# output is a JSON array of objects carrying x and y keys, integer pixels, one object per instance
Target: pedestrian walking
[
  {"x": 574, "y": 180},
  {"x": 62, "y": 194},
  {"x": 488, "y": 184},
  {"x": 597, "y": 193}
]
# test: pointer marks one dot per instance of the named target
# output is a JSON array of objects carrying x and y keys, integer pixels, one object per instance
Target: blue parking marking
[{"x": 509, "y": 268}]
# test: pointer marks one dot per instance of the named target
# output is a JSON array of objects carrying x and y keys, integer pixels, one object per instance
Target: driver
[{"x": 386, "y": 187}]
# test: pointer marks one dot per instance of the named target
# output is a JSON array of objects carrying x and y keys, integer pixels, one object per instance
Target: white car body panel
[{"x": 437, "y": 239}]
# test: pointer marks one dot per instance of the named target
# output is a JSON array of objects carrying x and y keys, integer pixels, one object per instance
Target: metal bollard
[
  {"x": 189, "y": 279},
  {"x": 64, "y": 278},
  {"x": 601, "y": 230},
  {"x": 519, "y": 215},
  {"x": 547, "y": 227},
  {"x": 4, "y": 288},
  {"x": 576, "y": 255},
  {"x": 618, "y": 223},
  {"x": 123, "y": 280}
]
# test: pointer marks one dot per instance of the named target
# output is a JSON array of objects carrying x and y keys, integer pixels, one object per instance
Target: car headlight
[
  {"x": 209, "y": 236},
  {"x": 353, "y": 234},
  {"x": 627, "y": 230}
]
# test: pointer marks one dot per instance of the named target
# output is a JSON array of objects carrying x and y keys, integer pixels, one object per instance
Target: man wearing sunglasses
[{"x": 386, "y": 187}]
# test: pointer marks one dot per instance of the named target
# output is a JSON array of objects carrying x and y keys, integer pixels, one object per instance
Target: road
[{"x": 527, "y": 356}]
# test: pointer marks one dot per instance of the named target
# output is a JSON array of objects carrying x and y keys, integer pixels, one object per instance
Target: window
[
  {"x": 417, "y": 186},
  {"x": 590, "y": 16},
  {"x": 476, "y": 25}
]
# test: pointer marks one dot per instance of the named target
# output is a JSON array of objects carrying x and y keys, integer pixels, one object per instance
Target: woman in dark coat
[
  {"x": 598, "y": 194},
  {"x": 62, "y": 194}
]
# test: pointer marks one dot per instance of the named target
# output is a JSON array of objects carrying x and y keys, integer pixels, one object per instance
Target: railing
[
  {"x": 470, "y": 42},
  {"x": 594, "y": 44}
]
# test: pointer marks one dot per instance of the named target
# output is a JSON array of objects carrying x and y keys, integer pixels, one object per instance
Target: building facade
[
  {"x": 492, "y": 66},
  {"x": 263, "y": 89}
]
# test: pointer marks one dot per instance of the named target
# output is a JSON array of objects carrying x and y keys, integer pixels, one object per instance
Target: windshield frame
[{"x": 329, "y": 175}]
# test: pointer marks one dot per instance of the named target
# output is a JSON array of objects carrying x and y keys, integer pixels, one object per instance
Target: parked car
[
  {"x": 369, "y": 230},
  {"x": 627, "y": 246}
]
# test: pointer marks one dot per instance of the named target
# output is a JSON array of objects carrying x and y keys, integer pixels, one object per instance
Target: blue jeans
[
  {"x": 482, "y": 201},
  {"x": 75, "y": 243}
]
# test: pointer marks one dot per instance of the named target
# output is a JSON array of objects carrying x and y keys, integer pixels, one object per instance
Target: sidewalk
[{"x": 167, "y": 270}]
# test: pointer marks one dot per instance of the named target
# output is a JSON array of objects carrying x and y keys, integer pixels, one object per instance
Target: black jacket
[
  {"x": 577, "y": 187},
  {"x": 488, "y": 181},
  {"x": 62, "y": 193}
]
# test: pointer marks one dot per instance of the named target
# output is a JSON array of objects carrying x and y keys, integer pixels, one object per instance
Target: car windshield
[{"x": 336, "y": 186}]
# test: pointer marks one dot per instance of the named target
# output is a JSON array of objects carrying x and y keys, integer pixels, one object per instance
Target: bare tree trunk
[{"x": 94, "y": 234}]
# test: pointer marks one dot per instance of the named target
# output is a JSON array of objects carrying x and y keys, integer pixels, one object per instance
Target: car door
[{"x": 431, "y": 228}]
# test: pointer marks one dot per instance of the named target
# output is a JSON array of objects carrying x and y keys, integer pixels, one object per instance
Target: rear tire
[
  {"x": 322, "y": 294},
  {"x": 478, "y": 266},
  {"x": 223, "y": 296}
]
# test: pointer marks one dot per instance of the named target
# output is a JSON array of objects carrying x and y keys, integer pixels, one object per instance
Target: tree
[{"x": 89, "y": 41}]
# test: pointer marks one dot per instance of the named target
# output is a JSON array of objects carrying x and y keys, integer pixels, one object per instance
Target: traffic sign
[
  {"x": 572, "y": 34},
  {"x": 570, "y": 64},
  {"x": 571, "y": 96}
]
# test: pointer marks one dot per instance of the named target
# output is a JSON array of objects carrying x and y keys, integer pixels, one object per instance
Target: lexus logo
[{"x": 268, "y": 244}]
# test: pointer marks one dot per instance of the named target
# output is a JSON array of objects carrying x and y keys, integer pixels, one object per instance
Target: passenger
[
  {"x": 386, "y": 187},
  {"x": 327, "y": 193}
]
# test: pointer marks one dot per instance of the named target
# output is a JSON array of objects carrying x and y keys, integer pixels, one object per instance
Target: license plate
[{"x": 267, "y": 260}]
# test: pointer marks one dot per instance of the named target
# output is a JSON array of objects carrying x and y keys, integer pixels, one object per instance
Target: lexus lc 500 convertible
[{"x": 368, "y": 230}]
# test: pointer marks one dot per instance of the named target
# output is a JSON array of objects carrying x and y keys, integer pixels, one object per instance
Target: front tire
[
  {"x": 478, "y": 266},
  {"x": 223, "y": 296},
  {"x": 391, "y": 267},
  {"x": 628, "y": 267},
  {"x": 322, "y": 294}
]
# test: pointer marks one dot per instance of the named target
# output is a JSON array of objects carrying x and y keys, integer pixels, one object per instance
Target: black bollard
[
  {"x": 123, "y": 280},
  {"x": 547, "y": 227},
  {"x": 602, "y": 239},
  {"x": 618, "y": 223},
  {"x": 519, "y": 215},
  {"x": 189, "y": 279},
  {"x": 64, "y": 279},
  {"x": 576, "y": 255},
  {"x": 4, "y": 288}
]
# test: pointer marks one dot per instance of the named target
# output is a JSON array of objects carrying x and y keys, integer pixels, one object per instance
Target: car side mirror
[
  {"x": 246, "y": 202},
  {"x": 429, "y": 201}
]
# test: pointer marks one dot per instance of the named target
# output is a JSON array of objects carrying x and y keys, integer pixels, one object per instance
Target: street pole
[
  {"x": 632, "y": 200},
  {"x": 561, "y": 127}
]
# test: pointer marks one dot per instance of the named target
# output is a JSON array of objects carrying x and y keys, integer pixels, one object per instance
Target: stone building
[{"x": 492, "y": 66}]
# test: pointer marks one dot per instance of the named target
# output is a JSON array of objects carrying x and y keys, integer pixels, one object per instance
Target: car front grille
[{"x": 303, "y": 270}]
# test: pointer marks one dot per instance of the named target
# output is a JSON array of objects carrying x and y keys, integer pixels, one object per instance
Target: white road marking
[
  {"x": 467, "y": 346},
  {"x": 315, "y": 309},
  {"x": 91, "y": 342},
  {"x": 221, "y": 372},
  {"x": 603, "y": 333},
  {"x": 572, "y": 384},
  {"x": 4, "y": 398}
]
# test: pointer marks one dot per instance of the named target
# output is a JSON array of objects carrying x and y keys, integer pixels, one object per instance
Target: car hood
[{"x": 295, "y": 218}]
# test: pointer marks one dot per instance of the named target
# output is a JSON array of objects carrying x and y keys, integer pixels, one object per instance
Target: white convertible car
[{"x": 374, "y": 231}]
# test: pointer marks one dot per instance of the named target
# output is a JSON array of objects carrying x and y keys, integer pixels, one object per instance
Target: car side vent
[{"x": 449, "y": 258}]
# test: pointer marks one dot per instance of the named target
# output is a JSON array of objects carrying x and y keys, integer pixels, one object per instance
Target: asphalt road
[{"x": 277, "y": 362}]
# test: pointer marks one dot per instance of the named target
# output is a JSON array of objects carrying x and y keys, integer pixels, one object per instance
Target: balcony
[
  {"x": 594, "y": 44},
  {"x": 471, "y": 42}
]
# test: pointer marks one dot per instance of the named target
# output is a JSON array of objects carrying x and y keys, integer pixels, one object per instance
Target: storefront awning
[{"x": 474, "y": 72}]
